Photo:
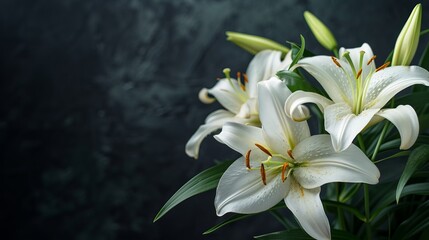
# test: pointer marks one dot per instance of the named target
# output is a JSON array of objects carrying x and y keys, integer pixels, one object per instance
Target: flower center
[
  {"x": 274, "y": 164},
  {"x": 358, "y": 82}
]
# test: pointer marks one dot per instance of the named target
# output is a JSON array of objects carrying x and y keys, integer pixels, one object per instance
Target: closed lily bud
[
  {"x": 322, "y": 33},
  {"x": 408, "y": 39},
  {"x": 255, "y": 44}
]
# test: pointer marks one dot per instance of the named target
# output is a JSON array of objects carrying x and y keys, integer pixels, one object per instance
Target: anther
[
  {"x": 263, "y": 176},
  {"x": 335, "y": 61},
  {"x": 289, "y": 152},
  {"x": 248, "y": 159},
  {"x": 263, "y": 149},
  {"x": 245, "y": 78},
  {"x": 284, "y": 171},
  {"x": 382, "y": 66},
  {"x": 359, "y": 73},
  {"x": 243, "y": 87},
  {"x": 371, "y": 59}
]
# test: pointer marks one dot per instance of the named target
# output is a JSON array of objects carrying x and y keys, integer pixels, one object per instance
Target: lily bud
[
  {"x": 255, "y": 44},
  {"x": 408, "y": 39},
  {"x": 322, "y": 33}
]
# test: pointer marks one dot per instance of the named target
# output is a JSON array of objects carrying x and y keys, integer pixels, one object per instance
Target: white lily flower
[
  {"x": 358, "y": 92},
  {"x": 239, "y": 98},
  {"x": 281, "y": 161}
]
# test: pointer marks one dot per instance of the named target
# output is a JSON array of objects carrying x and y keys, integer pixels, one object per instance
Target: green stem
[
  {"x": 361, "y": 143},
  {"x": 380, "y": 140},
  {"x": 336, "y": 54},
  {"x": 339, "y": 210},
  {"x": 367, "y": 212}
]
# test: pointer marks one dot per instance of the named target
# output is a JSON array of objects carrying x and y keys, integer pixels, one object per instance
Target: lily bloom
[
  {"x": 282, "y": 161},
  {"x": 237, "y": 97},
  {"x": 358, "y": 92}
]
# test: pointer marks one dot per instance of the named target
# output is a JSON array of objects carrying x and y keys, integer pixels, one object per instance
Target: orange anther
[
  {"x": 263, "y": 149},
  {"x": 248, "y": 159},
  {"x": 263, "y": 176}
]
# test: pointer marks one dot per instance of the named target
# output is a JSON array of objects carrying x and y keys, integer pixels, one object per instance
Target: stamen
[
  {"x": 227, "y": 72},
  {"x": 336, "y": 61},
  {"x": 245, "y": 78},
  {"x": 289, "y": 152},
  {"x": 359, "y": 73},
  {"x": 243, "y": 87},
  {"x": 263, "y": 176},
  {"x": 372, "y": 59},
  {"x": 382, "y": 66},
  {"x": 238, "y": 75},
  {"x": 362, "y": 53},
  {"x": 204, "y": 97},
  {"x": 248, "y": 159},
  {"x": 263, "y": 149},
  {"x": 284, "y": 170},
  {"x": 346, "y": 55}
]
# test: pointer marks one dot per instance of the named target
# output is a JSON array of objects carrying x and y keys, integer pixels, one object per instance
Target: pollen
[
  {"x": 289, "y": 152},
  {"x": 371, "y": 59},
  {"x": 263, "y": 176},
  {"x": 263, "y": 149},
  {"x": 248, "y": 159},
  {"x": 359, "y": 73},
  {"x": 385, "y": 65},
  {"x": 245, "y": 78},
  {"x": 284, "y": 171},
  {"x": 335, "y": 61}
]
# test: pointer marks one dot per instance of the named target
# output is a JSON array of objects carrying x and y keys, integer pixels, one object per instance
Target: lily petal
[
  {"x": 405, "y": 119},
  {"x": 388, "y": 82},
  {"x": 355, "y": 57},
  {"x": 263, "y": 66},
  {"x": 242, "y": 191},
  {"x": 344, "y": 125},
  {"x": 280, "y": 132},
  {"x": 324, "y": 165},
  {"x": 298, "y": 98},
  {"x": 240, "y": 137},
  {"x": 307, "y": 207},
  {"x": 214, "y": 121},
  {"x": 333, "y": 79},
  {"x": 229, "y": 94}
]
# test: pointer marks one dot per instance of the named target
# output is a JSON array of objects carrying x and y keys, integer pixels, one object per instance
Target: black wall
[{"x": 98, "y": 98}]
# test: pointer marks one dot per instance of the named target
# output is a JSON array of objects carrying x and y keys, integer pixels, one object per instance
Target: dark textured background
[{"x": 98, "y": 98}]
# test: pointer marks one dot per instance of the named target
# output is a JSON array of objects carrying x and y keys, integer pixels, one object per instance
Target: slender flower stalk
[
  {"x": 282, "y": 161},
  {"x": 238, "y": 96},
  {"x": 358, "y": 92}
]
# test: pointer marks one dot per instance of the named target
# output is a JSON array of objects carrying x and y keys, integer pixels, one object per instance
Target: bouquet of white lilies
[{"x": 362, "y": 121}]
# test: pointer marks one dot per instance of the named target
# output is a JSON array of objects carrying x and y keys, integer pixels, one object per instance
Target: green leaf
[
  {"x": 417, "y": 222},
  {"x": 424, "y": 60},
  {"x": 204, "y": 181},
  {"x": 300, "y": 52},
  {"x": 232, "y": 219},
  {"x": 396, "y": 155},
  {"x": 417, "y": 100},
  {"x": 418, "y": 157},
  {"x": 299, "y": 234},
  {"x": 417, "y": 189},
  {"x": 344, "y": 206},
  {"x": 295, "y": 82}
]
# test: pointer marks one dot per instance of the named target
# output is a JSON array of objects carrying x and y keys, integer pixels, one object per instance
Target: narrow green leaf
[
  {"x": 418, "y": 157},
  {"x": 417, "y": 189},
  {"x": 398, "y": 154},
  {"x": 344, "y": 206},
  {"x": 416, "y": 223},
  {"x": 349, "y": 192},
  {"x": 299, "y": 54},
  {"x": 424, "y": 60},
  {"x": 295, "y": 82},
  {"x": 232, "y": 219},
  {"x": 204, "y": 181},
  {"x": 299, "y": 234}
]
